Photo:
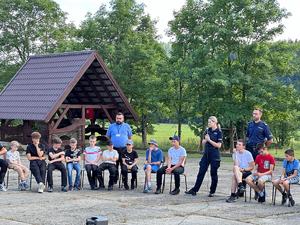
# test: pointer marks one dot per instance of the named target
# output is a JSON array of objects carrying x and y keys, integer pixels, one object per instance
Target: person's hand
[
  {"x": 169, "y": 170},
  {"x": 242, "y": 170},
  {"x": 50, "y": 162},
  {"x": 259, "y": 174},
  {"x": 255, "y": 174},
  {"x": 207, "y": 138},
  {"x": 129, "y": 167}
]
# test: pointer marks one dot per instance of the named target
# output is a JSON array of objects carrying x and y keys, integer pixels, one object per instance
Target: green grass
[{"x": 162, "y": 132}]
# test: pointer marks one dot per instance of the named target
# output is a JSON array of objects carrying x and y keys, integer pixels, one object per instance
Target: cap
[
  {"x": 109, "y": 143},
  {"x": 174, "y": 138},
  {"x": 129, "y": 142},
  {"x": 154, "y": 142}
]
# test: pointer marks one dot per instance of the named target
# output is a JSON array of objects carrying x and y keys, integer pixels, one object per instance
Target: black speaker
[{"x": 97, "y": 220}]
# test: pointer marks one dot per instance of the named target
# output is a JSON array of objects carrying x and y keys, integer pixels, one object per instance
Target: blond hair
[
  {"x": 73, "y": 141},
  {"x": 214, "y": 119},
  {"x": 14, "y": 143}
]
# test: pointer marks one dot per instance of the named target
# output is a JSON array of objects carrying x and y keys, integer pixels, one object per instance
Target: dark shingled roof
[{"x": 45, "y": 82}]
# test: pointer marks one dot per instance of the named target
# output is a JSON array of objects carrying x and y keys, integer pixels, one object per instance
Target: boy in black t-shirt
[
  {"x": 3, "y": 166},
  {"x": 130, "y": 159},
  {"x": 35, "y": 153},
  {"x": 56, "y": 156},
  {"x": 73, "y": 162}
]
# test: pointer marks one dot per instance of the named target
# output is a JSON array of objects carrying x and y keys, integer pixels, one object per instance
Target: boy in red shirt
[{"x": 265, "y": 165}]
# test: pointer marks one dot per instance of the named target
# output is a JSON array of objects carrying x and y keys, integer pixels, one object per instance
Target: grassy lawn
[{"x": 191, "y": 142}]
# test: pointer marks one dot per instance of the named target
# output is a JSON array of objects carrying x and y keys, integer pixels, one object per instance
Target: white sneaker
[
  {"x": 2, "y": 187},
  {"x": 41, "y": 187}
]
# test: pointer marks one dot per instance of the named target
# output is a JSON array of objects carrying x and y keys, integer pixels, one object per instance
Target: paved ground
[{"x": 134, "y": 207}]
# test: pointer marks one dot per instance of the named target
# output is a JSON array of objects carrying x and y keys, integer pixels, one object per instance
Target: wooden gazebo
[{"x": 52, "y": 93}]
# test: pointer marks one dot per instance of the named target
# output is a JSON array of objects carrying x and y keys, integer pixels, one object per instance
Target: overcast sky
[{"x": 162, "y": 11}]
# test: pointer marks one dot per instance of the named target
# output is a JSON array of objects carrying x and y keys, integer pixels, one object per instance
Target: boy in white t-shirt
[
  {"x": 109, "y": 158},
  {"x": 242, "y": 167},
  {"x": 14, "y": 162}
]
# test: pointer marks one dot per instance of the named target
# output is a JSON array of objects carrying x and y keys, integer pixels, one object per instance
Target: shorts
[
  {"x": 293, "y": 180},
  {"x": 154, "y": 168},
  {"x": 264, "y": 178},
  {"x": 246, "y": 174}
]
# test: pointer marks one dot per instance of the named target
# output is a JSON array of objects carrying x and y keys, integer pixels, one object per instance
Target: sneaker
[
  {"x": 256, "y": 196},
  {"x": 64, "y": 189},
  {"x": 70, "y": 188},
  {"x": 284, "y": 198},
  {"x": 191, "y": 192},
  {"x": 158, "y": 191},
  {"x": 101, "y": 187},
  {"x": 76, "y": 188},
  {"x": 126, "y": 186},
  {"x": 26, "y": 185},
  {"x": 110, "y": 188},
  {"x": 41, "y": 187},
  {"x": 175, "y": 192},
  {"x": 146, "y": 190},
  {"x": 262, "y": 198},
  {"x": 211, "y": 195},
  {"x": 2, "y": 187},
  {"x": 22, "y": 186},
  {"x": 132, "y": 186},
  {"x": 231, "y": 199},
  {"x": 50, "y": 189},
  {"x": 241, "y": 189},
  {"x": 291, "y": 201}
]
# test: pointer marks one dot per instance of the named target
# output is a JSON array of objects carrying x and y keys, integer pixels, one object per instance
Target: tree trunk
[
  {"x": 144, "y": 130},
  {"x": 179, "y": 116}
]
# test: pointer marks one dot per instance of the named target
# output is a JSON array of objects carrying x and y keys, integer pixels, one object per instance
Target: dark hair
[
  {"x": 259, "y": 109},
  {"x": 120, "y": 114},
  {"x": 56, "y": 140},
  {"x": 241, "y": 141},
  {"x": 36, "y": 135},
  {"x": 289, "y": 152}
]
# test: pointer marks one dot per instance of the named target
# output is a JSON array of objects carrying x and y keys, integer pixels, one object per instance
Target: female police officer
[{"x": 212, "y": 142}]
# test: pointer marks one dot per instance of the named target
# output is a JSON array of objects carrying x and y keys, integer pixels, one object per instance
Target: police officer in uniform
[
  {"x": 212, "y": 143},
  {"x": 258, "y": 133}
]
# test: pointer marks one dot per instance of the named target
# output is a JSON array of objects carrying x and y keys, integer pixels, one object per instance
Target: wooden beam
[
  {"x": 79, "y": 106},
  {"x": 108, "y": 115},
  {"x": 61, "y": 117}
]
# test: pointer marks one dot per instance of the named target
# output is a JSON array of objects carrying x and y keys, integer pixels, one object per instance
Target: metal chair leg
[
  {"x": 171, "y": 183},
  {"x": 245, "y": 193},
  {"x": 30, "y": 182},
  {"x": 250, "y": 194},
  {"x": 164, "y": 182},
  {"x": 7, "y": 177},
  {"x": 185, "y": 180}
]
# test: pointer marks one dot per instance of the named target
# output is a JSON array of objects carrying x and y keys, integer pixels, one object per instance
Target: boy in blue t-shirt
[
  {"x": 154, "y": 157},
  {"x": 290, "y": 175}
]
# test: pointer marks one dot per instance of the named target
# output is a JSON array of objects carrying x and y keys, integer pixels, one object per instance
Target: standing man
[
  {"x": 258, "y": 133},
  {"x": 3, "y": 168},
  {"x": 119, "y": 133}
]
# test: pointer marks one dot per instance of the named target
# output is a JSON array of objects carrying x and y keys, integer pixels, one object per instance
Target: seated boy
[
  {"x": 154, "y": 157},
  {"x": 92, "y": 157},
  {"x": 3, "y": 168},
  {"x": 130, "y": 159},
  {"x": 36, "y": 155},
  {"x": 56, "y": 157},
  {"x": 73, "y": 162},
  {"x": 243, "y": 165},
  {"x": 265, "y": 165},
  {"x": 109, "y": 158},
  {"x": 176, "y": 159},
  {"x": 14, "y": 162},
  {"x": 290, "y": 175}
]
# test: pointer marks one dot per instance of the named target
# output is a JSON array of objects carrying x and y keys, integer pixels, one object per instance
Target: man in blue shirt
[
  {"x": 119, "y": 133},
  {"x": 154, "y": 157},
  {"x": 258, "y": 133}
]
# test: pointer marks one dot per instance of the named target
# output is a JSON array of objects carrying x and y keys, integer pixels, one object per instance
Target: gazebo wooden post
[{"x": 83, "y": 126}]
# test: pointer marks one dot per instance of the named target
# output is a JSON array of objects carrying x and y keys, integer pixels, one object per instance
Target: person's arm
[
  {"x": 269, "y": 172},
  {"x": 108, "y": 132},
  {"x": 60, "y": 159},
  {"x": 129, "y": 132},
  {"x": 249, "y": 168},
  {"x": 181, "y": 160},
  {"x": 59, "y": 154},
  {"x": 30, "y": 158},
  {"x": 124, "y": 163},
  {"x": 39, "y": 150},
  {"x": 268, "y": 136},
  {"x": 169, "y": 161},
  {"x": 213, "y": 143},
  {"x": 116, "y": 157},
  {"x": 295, "y": 174}
]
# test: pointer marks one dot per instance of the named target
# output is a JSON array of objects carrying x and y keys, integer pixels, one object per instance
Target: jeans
[
  {"x": 57, "y": 166},
  {"x": 76, "y": 167}
]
